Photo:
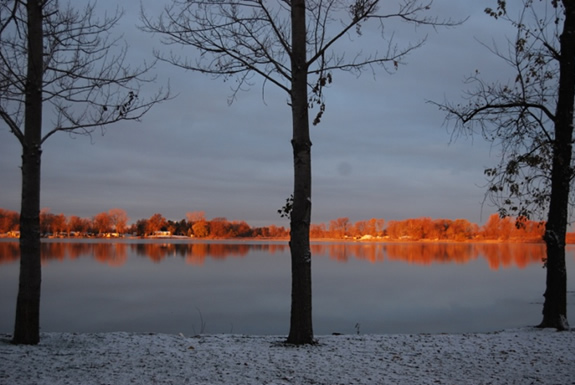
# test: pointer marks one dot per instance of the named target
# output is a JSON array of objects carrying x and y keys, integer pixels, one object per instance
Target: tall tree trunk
[
  {"x": 27, "y": 324},
  {"x": 301, "y": 329},
  {"x": 555, "y": 306}
]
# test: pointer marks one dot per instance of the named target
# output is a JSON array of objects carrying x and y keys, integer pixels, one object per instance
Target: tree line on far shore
[{"x": 114, "y": 223}]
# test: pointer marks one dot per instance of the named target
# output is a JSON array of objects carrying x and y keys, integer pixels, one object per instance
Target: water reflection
[
  {"x": 385, "y": 287},
  {"x": 498, "y": 256}
]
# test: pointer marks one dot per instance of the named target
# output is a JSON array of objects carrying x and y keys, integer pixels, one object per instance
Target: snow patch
[{"x": 523, "y": 356}]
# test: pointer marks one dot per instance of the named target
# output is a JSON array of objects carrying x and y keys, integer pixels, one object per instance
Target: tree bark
[
  {"x": 27, "y": 324},
  {"x": 555, "y": 306},
  {"x": 301, "y": 329}
]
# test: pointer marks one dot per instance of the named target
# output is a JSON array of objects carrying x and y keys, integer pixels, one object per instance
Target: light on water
[{"x": 244, "y": 288}]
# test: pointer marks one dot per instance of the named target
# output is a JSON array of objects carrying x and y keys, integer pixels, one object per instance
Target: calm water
[{"x": 231, "y": 287}]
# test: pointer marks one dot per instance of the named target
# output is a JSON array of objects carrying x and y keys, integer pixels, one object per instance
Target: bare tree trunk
[
  {"x": 27, "y": 325},
  {"x": 555, "y": 306},
  {"x": 301, "y": 329}
]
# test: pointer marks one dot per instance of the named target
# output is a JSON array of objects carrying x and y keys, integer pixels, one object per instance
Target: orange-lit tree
[
  {"x": 45, "y": 221},
  {"x": 461, "y": 230},
  {"x": 195, "y": 216},
  {"x": 119, "y": 220},
  {"x": 338, "y": 228},
  {"x": 78, "y": 225},
  {"x": 155, "y": 223},
  {"x": 317, "y": 230},
  {"x": 8, "y": 221},
  {"x": 530, "y": 118},
  {"x": 220, "y": 228},
  {"x": 102, "y": 223},
  {"x": 201, "y": 229},
  {"x": 491, "y": 228},
  {"x": 286, "y": 43},
  {"x": 59, "y": 224},
  {"x": 375, "y": 227},
  {"x": 59, "y": 71}
]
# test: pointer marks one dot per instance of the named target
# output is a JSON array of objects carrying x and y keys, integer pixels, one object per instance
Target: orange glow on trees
[
  {"x": 201, "y": 229},
  {"x": 412, "y": 229},
  {"x": 102, "y": 223},
  {"x": 155, "y": 223},
  {"x": 78, "y": 225},
  {"x": 9, "y": 221},
  {"x": 119, "y": 220},
  {"x": 196, "y": 216}
]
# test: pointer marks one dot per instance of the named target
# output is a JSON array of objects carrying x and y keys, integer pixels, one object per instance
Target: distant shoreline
[{"x": 570, "y": 240}]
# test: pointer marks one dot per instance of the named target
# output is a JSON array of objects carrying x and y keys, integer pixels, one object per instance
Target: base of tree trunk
[
  {"x": 559, "y": 323},
  {"x": 300, "y": 341}
]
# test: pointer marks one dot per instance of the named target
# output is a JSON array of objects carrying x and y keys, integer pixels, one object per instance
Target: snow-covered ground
[{"x": 522, "y": 356}]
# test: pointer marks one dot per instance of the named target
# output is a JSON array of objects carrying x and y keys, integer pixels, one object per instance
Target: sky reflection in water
[{"x": 227, "y": 287}]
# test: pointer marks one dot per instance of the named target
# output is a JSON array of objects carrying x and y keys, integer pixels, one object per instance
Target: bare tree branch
[
  {"x": 87, "y": 80},
  {"x": 520, "y": 116},
  {"x": 234, "y": 37},
  {"x": 13, "y": 126}
]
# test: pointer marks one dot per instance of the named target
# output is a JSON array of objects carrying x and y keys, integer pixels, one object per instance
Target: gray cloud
[{"x": 380, "y": 151}]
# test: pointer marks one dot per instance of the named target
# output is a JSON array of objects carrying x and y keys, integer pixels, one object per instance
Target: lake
[{"x": 192, "y": 287}]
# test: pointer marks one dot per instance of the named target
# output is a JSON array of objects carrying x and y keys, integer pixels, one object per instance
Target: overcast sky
[{"x": 380, "y": 151}]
